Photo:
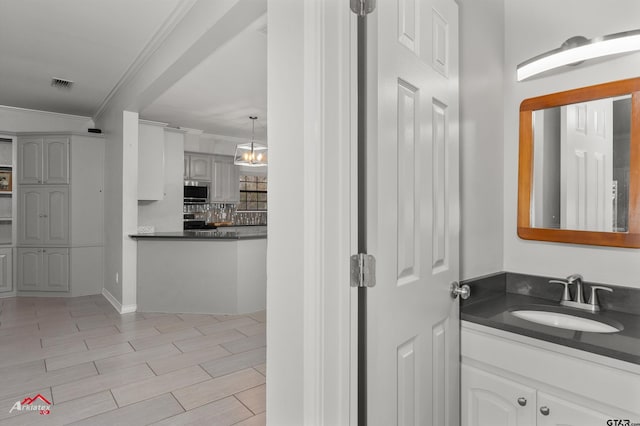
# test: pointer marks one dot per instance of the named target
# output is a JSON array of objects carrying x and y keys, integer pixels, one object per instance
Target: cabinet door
[
  {"x": 31, "y": 210},
  {"x": 56, "y": 269},
  {"x": 151, "y": 164},
  {"x": 491, "y": 400},
  {"x": 185, "y": 174},
  {"x": 30, "y": 160},
  {"x": 200, "y": 167},
  {"x": 216, "y": 188},
  {"x": 29, "y": 269},
  {"x": 56, "y": 216},
  {"x": 6, "y": 277},
  {"x": 554, "y": 411},
  {"x": 56, "y": 160}
]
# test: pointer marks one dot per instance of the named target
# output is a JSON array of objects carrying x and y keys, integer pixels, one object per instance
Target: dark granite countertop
[
  {"x": 492, "y": 308},
  {"x": 203, "y": 235}
]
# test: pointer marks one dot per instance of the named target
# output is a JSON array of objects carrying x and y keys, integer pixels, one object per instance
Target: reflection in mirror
[{"x": 581, "y": 166}]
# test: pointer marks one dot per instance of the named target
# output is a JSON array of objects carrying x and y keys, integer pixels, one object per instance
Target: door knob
[
  {"x": 522, "y": 401},
  {"x": 545, "y": 410},
  {"x": 457, "y": 290}
]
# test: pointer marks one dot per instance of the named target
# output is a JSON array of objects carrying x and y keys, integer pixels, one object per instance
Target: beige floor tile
[
  {"x": 262, "y": 369},
  {"x": 21, "y": 372},
  {"x": 47, "y": 379},
  {"x": 79, "y": 336},
  {"x": 211, "y": 390},
  {"x": 254, "y": 398},
  {"x": 26, "y": 344},
  {"x": 68, "y": 412},
  {"x": 258, "y": 420},
  {"x": 226, "y": 325},
  {"x": 189, "y": 322},
  {"x": 246, "y": 344},
  {"x": 202, "y": 342},
  {"x": 235, "y": 362},
  {"x": 133, "y": 358},
  {"x": 127, "y": 325},
  {"x": 142, "y": 413},
  {"x": 225, "y": 412},
  {"x": 58, "y": 362},
  {"x": 155, "y": 386},
  {"x": 161, "y": 339},
  {"x": 51, "y": 351},
  {"x": 57, "y": 328},
  {"x": 188, "y": 359},
  {"x": 19, "y": 330},
  {"x": 112, "y": 339},
  {"x": 93, "y": 384},
  {"x": 260, "y": 316},
  {"x": 253, "y": 329}
]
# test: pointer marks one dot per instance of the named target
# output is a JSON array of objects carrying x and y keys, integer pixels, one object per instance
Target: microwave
[{"x": 196, "y": 192}]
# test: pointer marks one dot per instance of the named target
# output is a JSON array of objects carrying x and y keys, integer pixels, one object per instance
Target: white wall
[
  {"x": 166, "y": 214},
  {"x": 533, "y": 28},
  {"x": 481, "y": 140},
  {"x": 28, "y": 120}
]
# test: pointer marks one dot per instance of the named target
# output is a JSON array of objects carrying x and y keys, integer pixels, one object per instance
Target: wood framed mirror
[{"x": 579, "y": 166}]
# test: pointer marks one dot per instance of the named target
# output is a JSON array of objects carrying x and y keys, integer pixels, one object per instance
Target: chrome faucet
[{"x": 578, "y": 299}]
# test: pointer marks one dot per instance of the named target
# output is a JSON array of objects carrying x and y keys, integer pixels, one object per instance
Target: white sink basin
[{"x": 567, "y": 321}]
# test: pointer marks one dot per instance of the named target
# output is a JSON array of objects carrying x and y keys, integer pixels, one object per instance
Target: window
[{"x": 253, "y": 193}]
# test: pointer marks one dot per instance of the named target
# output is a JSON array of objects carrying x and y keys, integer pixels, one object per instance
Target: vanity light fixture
[
  {"x": 578, "y": 49},
  {"x": 251, "y": 154}
]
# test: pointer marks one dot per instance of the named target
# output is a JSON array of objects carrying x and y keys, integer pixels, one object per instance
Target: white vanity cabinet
[
  {"x": 488, "y": 399},
  {"x": 509, "y": 379}
]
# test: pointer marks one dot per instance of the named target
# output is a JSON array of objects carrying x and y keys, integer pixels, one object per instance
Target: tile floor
[{"x": 97, "y": 367}]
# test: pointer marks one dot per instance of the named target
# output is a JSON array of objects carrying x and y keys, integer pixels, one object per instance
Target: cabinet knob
[
  {"x": 544, "y": 410},
  {"x": 522, "y": 401}
]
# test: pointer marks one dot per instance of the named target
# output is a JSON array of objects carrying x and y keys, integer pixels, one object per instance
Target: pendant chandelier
[{"x": 251, "y": 154}]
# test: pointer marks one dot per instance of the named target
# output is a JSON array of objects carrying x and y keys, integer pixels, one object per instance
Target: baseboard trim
[{"x": 122, "y": 309}]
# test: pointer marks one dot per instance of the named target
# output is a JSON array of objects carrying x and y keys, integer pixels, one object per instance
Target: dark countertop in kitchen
[
  {"x": 203, "y": 235},
  {"x": 492, "y": 309}
]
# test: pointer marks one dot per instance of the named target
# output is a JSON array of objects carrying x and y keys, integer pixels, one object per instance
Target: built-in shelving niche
[{"x": 6, "y": 191}]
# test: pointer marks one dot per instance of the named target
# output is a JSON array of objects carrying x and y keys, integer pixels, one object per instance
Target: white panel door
[
  {"x": 55, "y": 160},
  {"x": 586, "y": 201},
  {"x": 490, "y": 400},
  {"x": 413, "y": 215},
  {"x": 6, "y": 266},
  {"x": 554, "y": 411},
  {"x": 30, "y": 160},
  {"x": 56, "y": 215},
  {"x": 56, "y": 269},
  {"x": 29, "y": 269},
  {"x": 30, "y": 211}
]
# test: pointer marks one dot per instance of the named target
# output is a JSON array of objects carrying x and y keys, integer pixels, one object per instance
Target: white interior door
[
  {"x": 587, "y": 166},
  {"x": 413, "y": 214}
]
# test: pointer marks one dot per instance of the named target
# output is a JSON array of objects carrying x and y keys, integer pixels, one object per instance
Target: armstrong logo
[{"x": 41, "y": 405}]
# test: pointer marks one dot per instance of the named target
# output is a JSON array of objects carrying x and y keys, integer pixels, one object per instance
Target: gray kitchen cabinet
[
  {"x": 199, "y": 167},
  {"x": 56, "y": 222},
  {"x": 43, "y": 160},
  {"x": 226, "y": 180},
  {"x": 44, "y": 215},
  {"x": 43, "y": 269},
  {"x": 151, "y": 162},
  {"x": 6, "y": 273}
]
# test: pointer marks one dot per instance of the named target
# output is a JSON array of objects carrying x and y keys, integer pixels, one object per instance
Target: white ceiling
[
  {"x": 94, "y": 42},
  {"x": 91, "y": 42},
  {"x": 220, "y": 94}
]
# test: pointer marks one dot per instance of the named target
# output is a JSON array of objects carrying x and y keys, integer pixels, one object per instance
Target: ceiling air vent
[{"x": 61, "y": 83}]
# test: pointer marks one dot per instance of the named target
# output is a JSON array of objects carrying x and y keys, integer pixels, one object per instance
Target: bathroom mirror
[{"x": 579, "y": 166}]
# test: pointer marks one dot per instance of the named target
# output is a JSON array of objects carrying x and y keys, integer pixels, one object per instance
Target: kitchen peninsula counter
[{"x": 210, "y": 271}]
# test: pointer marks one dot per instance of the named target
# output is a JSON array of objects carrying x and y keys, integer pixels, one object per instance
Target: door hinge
[
  {"x": 363, "y": 7},
  {"x": 363, "y": 270}
]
